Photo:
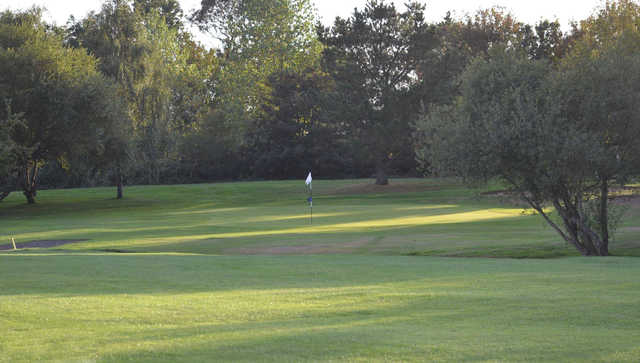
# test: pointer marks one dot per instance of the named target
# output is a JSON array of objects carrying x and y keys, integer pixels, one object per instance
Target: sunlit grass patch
[{"x": 428, "y": 215}]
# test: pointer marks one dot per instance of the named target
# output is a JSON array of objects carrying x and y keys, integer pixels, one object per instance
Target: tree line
[
  {"x": 282, "y": 95},
  {"x": 126, "y": 95}
]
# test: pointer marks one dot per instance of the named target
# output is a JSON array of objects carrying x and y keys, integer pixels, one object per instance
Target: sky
[{"x": 528, "y": 11}]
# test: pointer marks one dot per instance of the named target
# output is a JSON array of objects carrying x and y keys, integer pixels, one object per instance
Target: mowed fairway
[{"x": 235, "y": 271}]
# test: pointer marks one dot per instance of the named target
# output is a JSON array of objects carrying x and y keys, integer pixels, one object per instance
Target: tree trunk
[
  {"x": 30, "y": 195},
  {"x": 119, "y": 186},
  {"x": 603, "y": 249},
  {"x": 381, "y": 174},
  {"x": 579, "y": 234},
  {"x": 29, "y": 182},
  {"x": 570, "y": 226},
  {"x": 575, "y": 232}
]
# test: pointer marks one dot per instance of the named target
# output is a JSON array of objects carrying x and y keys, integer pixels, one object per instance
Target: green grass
[
  {"x": 109, "y": 307},
  {"x": 235, "y": 272},
  {"x": 435, "y": 217}
]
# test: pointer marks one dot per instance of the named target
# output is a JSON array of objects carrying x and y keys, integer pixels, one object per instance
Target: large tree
[
  {"x": 8, "y": 153},
  {"x": 600, "y": 90},
  {"x": 374, "y": 56},
  {"x": 113, "y": 35},
  {"x": 59, "y": 103},
  {"x": 557, "y": 137},
  {"x": 259, "y": 38},
  {"x": 294, "y": 131},
  {"x": 142, "y": 47}
]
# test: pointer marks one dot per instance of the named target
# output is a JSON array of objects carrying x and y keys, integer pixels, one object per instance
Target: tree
[
  {"x": 8, "y": 153},
  {"x": 599, "y": 87},
  {"x": 556, "y": 137},
  {"x": 113, "y": 36},
  {"x": 259, "y": 38},
  {"x": 217, "y": 14},
  {"x": 544, "y": 41},
  {"x": 294, "y": 132},
  {"x": 103, "y": 152},
  {"x": 56, "y": 97},
  {"x": 142, "y": 47},
  {"x": 169, "y": 10},
  {"x": 461, "y": 40},
  {"x": 605, "y": 28},
  {"x": 488, "y": 28},
  {"x": 374, "y": 56}
]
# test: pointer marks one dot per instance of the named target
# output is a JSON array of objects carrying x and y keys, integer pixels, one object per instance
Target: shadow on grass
[
  {"x": 425, "y": 327},
  {"x": 78, "y": 274},
  {"x": 517, "y": 252}
]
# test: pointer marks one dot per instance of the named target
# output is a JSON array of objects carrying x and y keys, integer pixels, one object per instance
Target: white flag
[{"x": 308, "y": 181}]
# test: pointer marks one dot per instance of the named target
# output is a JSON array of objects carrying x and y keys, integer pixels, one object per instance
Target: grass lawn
[
  {"x": 418, "y": 216},
  {"x": 235, "y": 271}
]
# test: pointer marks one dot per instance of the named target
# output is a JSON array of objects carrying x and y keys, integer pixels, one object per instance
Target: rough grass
[{"x": 235, "y": 272}]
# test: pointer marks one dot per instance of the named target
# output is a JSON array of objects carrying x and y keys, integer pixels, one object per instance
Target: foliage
[
  {"x": 164, "y": 76},
  {"x": 294, "y": 133},
  {"x": 544, "y": 41},
  {"x": 555, "y": 137},
  {"x": 169, "y": 10},
  {"x": 283, "y": 93},
  {"x": 605, "y": 28},
  {"x": 53, "y": 89},
  {"x": 559, "y": 132},
  {"x": 374, "y": 55},
  {"x": 9, "y": 152},
  {"x": 259, "y": 38}
]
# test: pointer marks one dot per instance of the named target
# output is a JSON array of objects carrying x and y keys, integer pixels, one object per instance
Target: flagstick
[
  {"x": 311, "y": 204},
  {"x": 310, "y": 200}
]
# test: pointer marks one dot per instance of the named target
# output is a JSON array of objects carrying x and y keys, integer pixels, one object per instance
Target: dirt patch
[
  {"x": 349, "y": 247},
  {"x": 48, "y": 243},
  {"x": 369, "y": 188}
]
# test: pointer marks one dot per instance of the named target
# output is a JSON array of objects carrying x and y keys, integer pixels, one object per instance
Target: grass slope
[
  {"x": 337, "y": 290},
  {"x": 435, "y": 217}
]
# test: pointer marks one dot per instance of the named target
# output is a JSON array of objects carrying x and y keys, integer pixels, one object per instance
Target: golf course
[
  {"x": 319, "y": 181},
  {"x": 419, "y": 270}
]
